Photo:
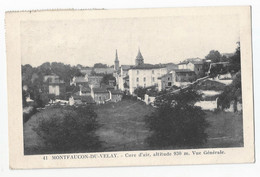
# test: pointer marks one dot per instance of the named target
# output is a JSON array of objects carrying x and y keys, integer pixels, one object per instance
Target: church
[{"x": 130, "y": 77}]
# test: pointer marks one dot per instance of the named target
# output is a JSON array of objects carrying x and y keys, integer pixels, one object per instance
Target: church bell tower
[
  {"x": 139, "y": 59},
  {"x": 116, "y": 66}
]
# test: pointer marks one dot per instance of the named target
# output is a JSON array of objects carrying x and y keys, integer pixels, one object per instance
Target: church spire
[
  {"x": 116, "y": 66},
  {"x": 116, "y": 56},
  {"x": 139, "y": 58}
]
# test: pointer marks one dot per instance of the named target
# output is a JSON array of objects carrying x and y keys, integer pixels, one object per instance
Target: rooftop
[
  {"x": 193, "y": 62},
  {"x": 183, "y": 71},
  {"x": 164, "y": 75},
  {"x": 80, "y": 79},
  {"x": 85, "y": 89},
  {"x": 116, "y": 92},
  {"x": 126, "y": 67},
  {"x": 86, "y": 99},
  {"x": 100, "y": 90},
  {"x": 149, "y": 66}
]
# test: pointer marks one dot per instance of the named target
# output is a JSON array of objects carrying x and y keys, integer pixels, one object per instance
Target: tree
[
  {"x": 231, "y": 94},
  {"x": 106, "y": 78},
  {"x": 214, "y": 56},
  {"x": 235, "y": 61},
  {"x": 27, "y": 72},
  {"x": 177, "y": 123},
  {"x": 24, "y": 95},
  {"x": 140, "y": 92},
  {"x": 100, "y": 65},
  {"x": 72, "y": 131}
]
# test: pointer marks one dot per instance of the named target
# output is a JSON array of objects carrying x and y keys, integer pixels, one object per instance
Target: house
[
  {"x": 177, "y": 77},
  {"x": 84, "y": 91},
  {"x": 115, "y": 95},
  {"x": 220, "y": 67},
  {"x": 79, "y": 100},
  {"x": 165, "y": 81},
  {"x": 100, "y": 95},
  {"x": 123, "y": 78},
  {"x": 53, "y": 84},
  {"x": 182, "y": 77},
  {"x": 193, "y": 65},
  {"x": 86, "y": 71},
  {"x": 107, "y": 70},
  {"x": 81, "y": 80},
  {"x": 94, "y": 81},
  {"x": 145, "y": 75}
]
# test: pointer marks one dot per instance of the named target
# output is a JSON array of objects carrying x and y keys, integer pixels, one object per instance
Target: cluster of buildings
[
  {"x": 88, "y": 89},
  {"x": 128, "y": 78},
  {"x": 163, "y": 76}
]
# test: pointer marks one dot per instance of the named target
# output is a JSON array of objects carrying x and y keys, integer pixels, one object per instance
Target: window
[
  {"x": 144, "y": 85},
  {"x": 153, "y": 79},
  {"x": 137, "y": 79},
  {"x": 169, "y": 84},
  {"x": 137, "y": 85},
  {"x": 152, "y": 71},
  {"x": 137, "y": 72},
  {"x": 169, "y": 78},
  {"x": 144, "y": 79}
]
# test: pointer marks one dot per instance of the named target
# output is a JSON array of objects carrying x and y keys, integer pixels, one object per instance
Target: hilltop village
[
  {"x": 131, "y": 107},
  {"x": 102, "y": 84}
]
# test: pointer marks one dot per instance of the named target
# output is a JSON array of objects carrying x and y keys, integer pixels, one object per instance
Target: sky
[{"x": 160, "y": 39}]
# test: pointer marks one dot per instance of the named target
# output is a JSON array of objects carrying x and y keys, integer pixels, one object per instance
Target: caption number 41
[{"x": 45, "y": 157}]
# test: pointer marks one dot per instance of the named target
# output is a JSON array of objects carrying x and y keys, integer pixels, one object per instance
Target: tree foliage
[
  {"x": 33, "y": 78},
  {"x": 177, "y": 123},
  {"x": 140, "y": 92},
  {"x": 106, "y": 78},
  {"x": 214, "y": 56},
  {"x": 72, "y": 132},
  {"x": 235, "y": 60},
  {"x": 100, "y": 65},
  {"x": 231, "y": 94}
]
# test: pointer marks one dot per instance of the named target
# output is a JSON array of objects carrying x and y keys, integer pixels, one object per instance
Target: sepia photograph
[{"x": 132, "y": 83}]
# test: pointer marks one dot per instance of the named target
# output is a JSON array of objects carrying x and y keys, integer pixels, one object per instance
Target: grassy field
[
  {"x": 226, "y": 129},
  {"x": 123, "y": 127}
]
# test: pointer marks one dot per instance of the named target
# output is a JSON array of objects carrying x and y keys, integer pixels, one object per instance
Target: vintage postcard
[{"x": 95, "y": 88}]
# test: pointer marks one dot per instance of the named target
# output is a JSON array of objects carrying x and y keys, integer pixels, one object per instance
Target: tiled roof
[
  {"x": 116, "y": 92},
  {"x": 86, "y": 99},
  {"x": 149, "y": 66},
  {"x": 108, "y": 87},
  {"x": 183, "y": 63},
  {"x": 86, "y": 70},
  {"x": 164, "y": 75},
  {"x": 193, "y": 62},
  {"x": 86, "y": 89},
  {"x": 183, "y": 70},
  {"x": 99, "y": 90},
  {"x": 197, "y": 62},
  {"x": 126, "y": 67},
  {"x": 80, "y": 79}
]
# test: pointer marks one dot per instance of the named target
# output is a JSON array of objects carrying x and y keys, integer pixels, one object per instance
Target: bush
[
  {"x": 72, "y": 132},
  {"x": 26, "y": 116},
  {"x": 177, "y": 123},
  {"x": 140, "y": 92}
]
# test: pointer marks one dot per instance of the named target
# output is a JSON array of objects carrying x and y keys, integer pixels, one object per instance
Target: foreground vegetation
[{"x": 118, "y": 127}]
